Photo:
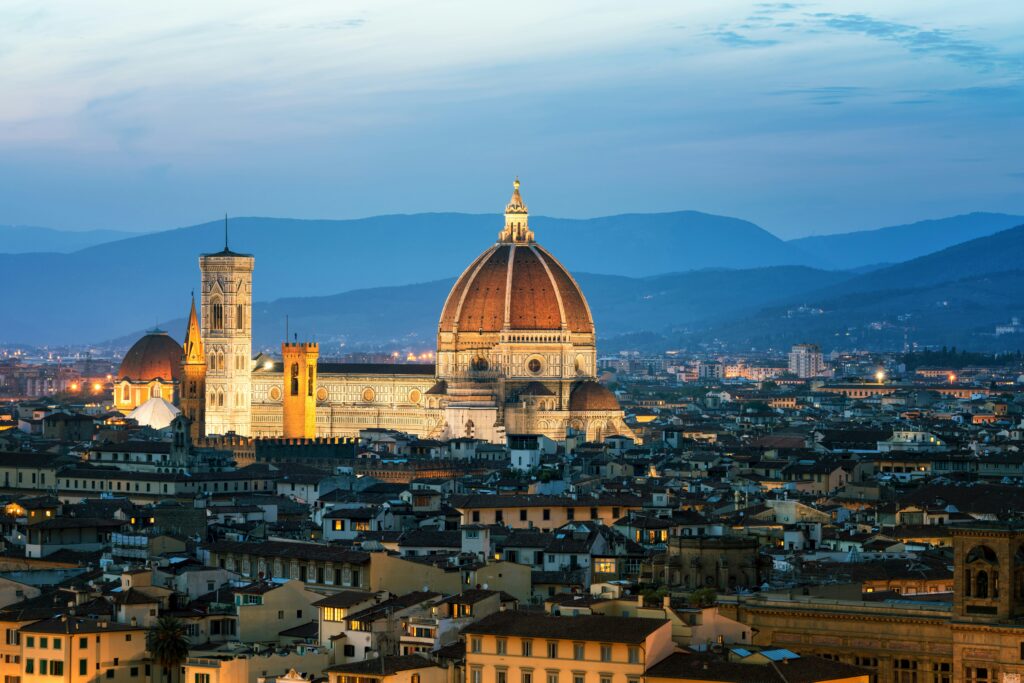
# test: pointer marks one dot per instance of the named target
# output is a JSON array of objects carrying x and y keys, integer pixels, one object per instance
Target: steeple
[
  {"x": 193, "y": 345},
  {"x": 517, "y": 227}
]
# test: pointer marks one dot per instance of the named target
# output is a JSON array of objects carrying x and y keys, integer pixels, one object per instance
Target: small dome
[
  {"x": 592, "y": 396},
  {"x": 155, "y": 356}
]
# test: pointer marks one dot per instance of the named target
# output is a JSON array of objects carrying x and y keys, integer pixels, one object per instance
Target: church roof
[
  {"x": 592, "y": 396},
  {"x": 155, "y": 356},
  {"x": 516, "y": 285}
]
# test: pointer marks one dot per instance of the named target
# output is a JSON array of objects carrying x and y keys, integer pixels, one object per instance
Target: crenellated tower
[
  {"x": 193, "y": 387},
  {"x": 299, "y": 390},
  {"x": 227, "y": 339}
]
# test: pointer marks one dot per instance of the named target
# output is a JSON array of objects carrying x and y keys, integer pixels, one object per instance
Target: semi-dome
[
  {"x": 591, "y": 395},
  {"x": 516, "y": 285},
  {"x": 155, "y": 356}
]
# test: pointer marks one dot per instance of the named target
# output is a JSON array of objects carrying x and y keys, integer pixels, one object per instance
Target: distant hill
[
  {"x": 22, "y": 239},
  {"x": 721, "y": 267},
  {"x": 901, "y": 242},
  {"x": 955, "y": 296},
  {"x": 108, "y": 290}
]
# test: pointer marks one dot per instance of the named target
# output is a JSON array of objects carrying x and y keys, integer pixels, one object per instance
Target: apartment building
[{"x": 518, "y": 647}]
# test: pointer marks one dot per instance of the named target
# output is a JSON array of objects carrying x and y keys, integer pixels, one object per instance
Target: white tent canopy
[{"x": 156, "y": 413}]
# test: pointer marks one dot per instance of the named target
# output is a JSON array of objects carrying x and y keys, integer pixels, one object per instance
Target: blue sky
[{"x": 802, "y": 117}]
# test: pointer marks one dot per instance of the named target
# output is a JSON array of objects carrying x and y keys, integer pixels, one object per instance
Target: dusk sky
[{"x": 802, "y": 117}]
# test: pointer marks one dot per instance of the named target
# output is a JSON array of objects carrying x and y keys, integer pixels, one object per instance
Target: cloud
[
  {"x": 825, "y": 95},
  {"x": 734, "y": 39},
  {"x": 942, "y": 43}
]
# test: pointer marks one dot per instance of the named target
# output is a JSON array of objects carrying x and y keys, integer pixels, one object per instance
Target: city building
[
  {"x": 806, "y": 360},
  {"x": 516, "y": 354}
]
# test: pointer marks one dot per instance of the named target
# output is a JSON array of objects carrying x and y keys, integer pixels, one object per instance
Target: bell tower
[
  {"x": 193, "y": 387},
  {"x": 988, "y": 572},
  {"x": 299, "y": 391},
  {"x": 227, "y": 339}
]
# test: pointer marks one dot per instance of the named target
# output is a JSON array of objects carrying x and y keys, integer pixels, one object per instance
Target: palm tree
[{"x": 167, "y": 642}]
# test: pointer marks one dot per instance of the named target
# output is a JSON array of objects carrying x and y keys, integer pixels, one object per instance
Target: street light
[{"x": 880, "y": 376}]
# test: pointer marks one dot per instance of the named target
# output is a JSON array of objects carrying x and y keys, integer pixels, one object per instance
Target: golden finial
[{"x": 515, "y": 184}]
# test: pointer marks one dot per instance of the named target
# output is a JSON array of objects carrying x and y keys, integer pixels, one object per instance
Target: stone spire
[
  {"x": 193, "y": 345},
  {"x": 517, "y": 227}
]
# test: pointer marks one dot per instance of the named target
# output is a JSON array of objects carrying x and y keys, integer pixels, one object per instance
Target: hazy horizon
[{"x": 130, "y": 233}]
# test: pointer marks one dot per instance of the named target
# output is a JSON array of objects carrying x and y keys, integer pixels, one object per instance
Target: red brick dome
[
  {"x": 155, "y": 356},
  {"x": 516, "y": 287},
  {"x": 592, "y": 396}
]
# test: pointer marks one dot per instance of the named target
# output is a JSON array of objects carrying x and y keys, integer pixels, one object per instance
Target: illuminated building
[
  {"x": 150, "y": 369},
  {"x": 974, "y": 636},
  {"x": 515, "y": 354},
  {"x": 806, "y": 360}
]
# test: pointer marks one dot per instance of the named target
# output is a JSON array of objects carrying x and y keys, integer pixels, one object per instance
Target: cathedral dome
[
  {"x": 516, "y": 285},
  {"x": 155, "y": 356},
  {"x": 592, "y": 396}
]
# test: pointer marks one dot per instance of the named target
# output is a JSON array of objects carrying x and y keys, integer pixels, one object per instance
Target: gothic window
[
  {"x": 220, "y": 361},
  {"x": 240, "y": 317},
  {"x": 982, "y": 564},
  {"x": 216, "y": 314},
  {"x": 295, "y": 379},
  {"x": 309, "y": 379}
]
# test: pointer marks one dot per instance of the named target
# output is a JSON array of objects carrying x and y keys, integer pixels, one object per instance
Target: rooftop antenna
[{"x": 225, "y": 232}]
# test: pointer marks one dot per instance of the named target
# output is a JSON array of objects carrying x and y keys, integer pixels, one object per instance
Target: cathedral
[{"x": 516, "y": 354}]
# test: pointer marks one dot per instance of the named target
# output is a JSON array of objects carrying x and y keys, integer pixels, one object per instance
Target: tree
[
  {"x": 703, "y": 597},
  {"x": 168, "y": 644}
]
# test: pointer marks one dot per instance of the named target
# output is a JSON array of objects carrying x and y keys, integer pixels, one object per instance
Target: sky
[{"x": 805, "y": 118}]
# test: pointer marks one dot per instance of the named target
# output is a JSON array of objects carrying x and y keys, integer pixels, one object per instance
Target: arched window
[
  {"x": 309, "y": 380},
  {"x": 220, "y": 361},
  {"x": 216, "y": 314},
  {"x": 126, "y": 393},
  {"x": 982, "y": 553},
  {"x": 239, "y": 317},
  {"x": 295, "y": 379},
  {"x": 154, "y": 391}
]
